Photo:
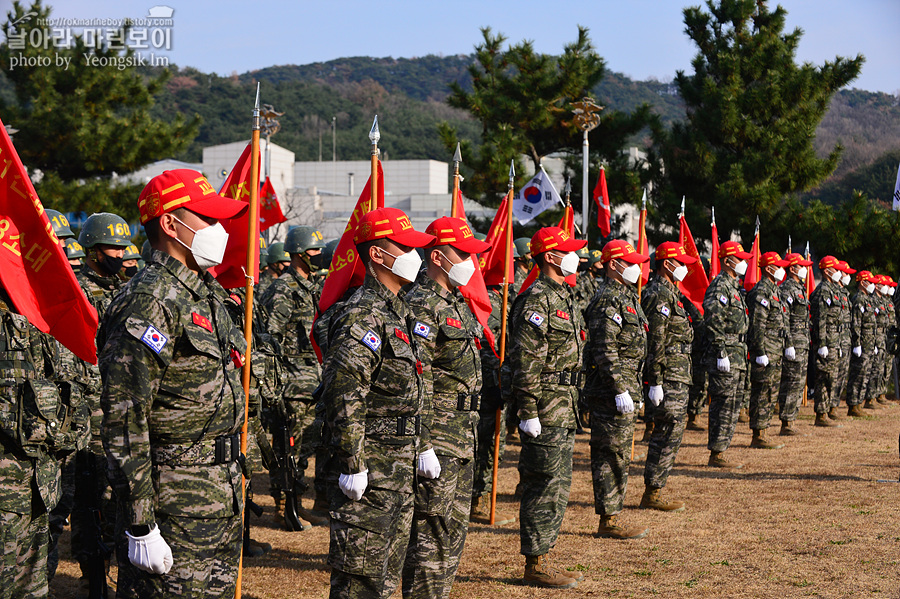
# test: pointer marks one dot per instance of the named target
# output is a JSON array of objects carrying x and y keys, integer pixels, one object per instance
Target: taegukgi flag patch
[
  {"x": 664, "y": 309},
  {"x": 372, "y": 340},
  {"x": 422, "y": 330},
  {"x": 536, "y": 319},
  {"x": 154, "y": 339}
]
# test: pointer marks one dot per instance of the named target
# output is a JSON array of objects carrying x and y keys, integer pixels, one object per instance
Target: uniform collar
[
  {"x": 199, "y": 286},
  {"x": 112, "y": 282},
  {"x": 305, "y": 283},
  {"x": 377, "y": 287}
]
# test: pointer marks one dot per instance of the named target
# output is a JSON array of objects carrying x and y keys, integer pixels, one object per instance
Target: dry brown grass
[{"x": 808, "y": 520}]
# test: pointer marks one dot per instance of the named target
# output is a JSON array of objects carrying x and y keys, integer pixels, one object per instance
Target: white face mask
[
  {"x": 802, "y": 273},
  {"x": 885, "y": 290},
  {"x": 836, "y": 276},
  {"x": 406, "y": 266},
  {"x": 680, "y": 272},
  {"x": 740, "y": 269},
  {"x": 779, "y": 274},
  {"x": 845, "y": 280},
  {"x": 870, "y": 288},
  {"x": 460, "y": 273},
  {"x": 569, "y": 264},
  {"x": 208, "y": 246},
  {"x": 632, "y": 273},
  {"x": 891, "y": 290}
]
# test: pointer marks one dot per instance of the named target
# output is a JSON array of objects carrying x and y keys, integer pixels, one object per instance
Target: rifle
[
  {"x": 288, "y": 465},
  {"x": 98, "y": 551}
]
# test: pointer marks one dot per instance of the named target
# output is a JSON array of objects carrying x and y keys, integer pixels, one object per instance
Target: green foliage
[{"x": 875, "y": 180}]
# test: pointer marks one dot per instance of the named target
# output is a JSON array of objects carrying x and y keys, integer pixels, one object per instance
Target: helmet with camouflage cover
[
  {"x": 583, "y": 253},
  {"x": 522, "y": 247},
  {"x": 277, "y": 253},
  {"x": 595, "y": 257},
  {"x": 74, "y": 250},
  {"x": 479, "y": 236},
  {"x": 60, "y": 224},
  {"x": 300, "y": 239},
  {"x": 131, "y": 253},
  {"x": 328, "y": 252},
  {"x": 105, "y": 228}
]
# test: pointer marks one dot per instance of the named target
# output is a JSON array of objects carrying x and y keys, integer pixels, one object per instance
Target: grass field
[{"x": 808, "y": 520}]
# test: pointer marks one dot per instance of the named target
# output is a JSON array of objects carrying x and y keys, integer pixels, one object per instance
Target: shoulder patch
[
  {"x": 422, "y": 330},
  {"x": 562, "y": 315},
  {"x": 828, "y": 300},
  {"x": 536, "y": 319},
  {"x": 631, "y": 310},
  {"x": 617, "y": 318},
  {"x": 764, "y": 302},
  {"x": 723, "y": 299},
  {"x": 154, "y": 339},
  {"x": 456, "y": 324},
  {"x": 201, "y": 321},
  {"x": 664, "y": 309},
  {"x": 371, "y": 340}
]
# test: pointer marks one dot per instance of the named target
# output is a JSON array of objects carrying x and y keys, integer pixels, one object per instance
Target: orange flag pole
[
  {"x": 457, "y": 158},
  {"x": 252, "y": 263},
  {"x": 641, "y": 240},
  {"x": 374, "y": 136},
  {"x": 503, "y": 318},
  {"x": 806, "y": 288}
]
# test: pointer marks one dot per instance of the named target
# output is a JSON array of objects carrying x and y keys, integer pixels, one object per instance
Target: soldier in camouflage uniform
[
  {"x": 290, "y": 304},
  {"x": 875, "y": 376},
  {"x": 129, "y": 262},
  {"x": 523, "y": 263},
  {"x": 667, "y": 370},
  {"x": 863, "y": 333},
  {"x": 614, "y": 357},
  {"x": 74, "y": 253},
  {"x": 596, "y": 271},
  {"x": 451, "y": 344},
  {"x": 279, "y": 260},
  {"x": 173, "y": 403},
  {"x": 883, "y": 361},
  {"x": 697, "y": 392},
  {"x": 725, "y": 318},
  {"x": 767, "y": 333},
  {"x": 374, "y": 394},
  {"x": 845, "y": 347},
  {"x": 546, "y": 341},
  {"x": 584, "y": 284},
  {"x": 825, "y": 339},
  {"x": 793, "y": 370}
]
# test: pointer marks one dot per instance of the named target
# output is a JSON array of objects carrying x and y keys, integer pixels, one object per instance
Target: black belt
[
  {"x": 569, "y": 378},
  {"x": 401, "y": 426},
  {"x": 463, "y": 402},
  {"x": 220, "y": 450},
  {"x": 228, "y": 449}
]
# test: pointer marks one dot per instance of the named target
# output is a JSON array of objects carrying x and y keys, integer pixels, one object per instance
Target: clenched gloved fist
[
  {"x": 354, "y": 485},
  {"x": 857, "y": 351},
  {"x": 762, "y": 360},
  {"x": 790, "y": 353},
  {"x": 429, "y": 466},
  {"x": 624, "y": 403},
  {"x": 723, "y": 364},
  {"x": 150, "y": 552},
  {"x": 655, "y": 393},
  {"x": 823, "y": 352},
  {"x": 531, "y": 427}
]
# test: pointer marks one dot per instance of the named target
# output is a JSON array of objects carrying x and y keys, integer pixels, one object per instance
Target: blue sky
[{"x": 640, "y": 38}]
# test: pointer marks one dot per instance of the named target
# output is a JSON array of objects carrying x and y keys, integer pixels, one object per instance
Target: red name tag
[
  {"x": 632, "y": 310},
  {"x": 236, "y": 298},
  {"x": 583, "y": 336},
  {"x": 562, "y": 315},
  {"x": 418, "y": 366},
  {"x": 680, "y": 305},
  {"x": 477, "y": 343},
  {"x": 454, "y": 323},
  {"x": 401, "y": 335},
  {"x": 201, "y": 321}
]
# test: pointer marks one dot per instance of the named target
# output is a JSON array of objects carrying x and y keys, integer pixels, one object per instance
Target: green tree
[
  {"x": 81, "y": 124},
  {"x": 752, "y": 112}
]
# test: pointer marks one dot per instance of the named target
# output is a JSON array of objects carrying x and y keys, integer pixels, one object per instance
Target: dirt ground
[{"x": 808, "y": 520}]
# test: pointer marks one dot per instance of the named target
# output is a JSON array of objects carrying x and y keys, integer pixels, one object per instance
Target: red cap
[
  {"x": 621, "y": 249},
  {"x": 772, "y": 259},
  {"x": 455, "y": 232},
  {"x": 829, "y": 262},
  {"x": 671, "y": 250},
  {"x": 844, "y": 267},
  {"x": 865, "y": 275},
  {"x": 797, "y": 259},
  {"x": 554, "y": 238},
  {"x": 733, "y": 248},
  {"x": 185, "y": 188},
  {"x": 390, "y": 223}
]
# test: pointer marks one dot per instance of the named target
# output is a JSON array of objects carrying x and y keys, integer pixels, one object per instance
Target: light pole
[{"x": 587, "y": 117}]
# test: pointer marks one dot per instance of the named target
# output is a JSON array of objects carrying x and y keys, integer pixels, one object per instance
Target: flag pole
[
  {"x": 457, "y": 158},
  {"x": 640, "y": 284},
  {"x": 503, "y": 318},
  {"x": 374, "y": 136},
  {"x": 806, "y": 293},
  {"x": 252, "y": 264}
]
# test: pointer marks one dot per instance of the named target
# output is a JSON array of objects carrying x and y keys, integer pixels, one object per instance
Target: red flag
[
  {"x": 458, "y": 209},
  {"x": 346, "y": 269},
  {"x": 34, "y": 270},
  {"x": 752, "y": 276},
  {"x": 493, "y": 259},
  {"x": 567, "y": 224},
  {"x": 230, "y": 273},
  {"x": 475, "y": 291},
  {"x": 810, "y": 280},
  {"x": 270, "y": 213},
  {"x": 603, "y": 212},
  {"x": 714, "y": 267},
  {"x": 695, "y": 283}
]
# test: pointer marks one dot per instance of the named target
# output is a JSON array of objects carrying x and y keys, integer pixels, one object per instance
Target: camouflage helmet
[
  {"x": 60, "y": 224},
  {"x": 328, "y": 252},
  {"x": 596, "y": 256},
  {"x": 145, "y": 251},
  {"x": 300, "y": 239},
  {"x": 277, "y": 253},
  {"x": 583, "y": 253},
  {"x": 73, "y": 249},
  {"x": 263, "y": 253},
  {"x": 479, "y": 236},
  {"x": 131, "y": 253},
  {"x": 522, "y": 247},
  {"x": 105, "y": 228}
]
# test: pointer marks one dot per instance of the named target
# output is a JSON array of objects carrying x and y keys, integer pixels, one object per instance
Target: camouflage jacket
[
  {"x": 266, "y": 278},
  {"x": 825, "y": 315},
  {"x": 698, "y": 345},
  {"x": 793, "y": 292},
  {"x": 451, "y": 344},
  {"x": 769, "y": 321},
  {"x": 617, "y": 346},
  {"x": 725, "y": 317},
  {"x": 322, "y": 330},
  {"x": 863, "y": 320},
  {"x": 290, "y": 305},
  {"x": 583, "y": 291},
  {"x": 546, "y": 342},
  {"x": 844, "y": 328},
  {"x": 99, "y": 290},
  {"x": 884, "y": 318},
  {"x": 374, "y": 388},
  {"x": 670, "y": 339},
  {"x": 172, "y": 395}
]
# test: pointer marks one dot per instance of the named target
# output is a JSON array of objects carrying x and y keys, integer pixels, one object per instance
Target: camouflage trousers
[
  {"x": 439, "y": 527},
  {"x": 826, "y": 373},
  {"x": 59, "y": 515},
  {"x": 764, "y": 386},
  {"x": 611, "y": 434},
  {"x": 860, "y": 378},
  {"x": 306, "y": 430},
  {"x": 24, "y": 562},
  {"x": 94, "y": 506},
  {"x": 545, "y": 473},
  {"x": 369, "y": 539},
  {"x": 697, "y": 393},
  {"x": 842, "y": 376},
  {"x": 205, "y": 554},
  {"x": 879, "y": 371},
  {"x": 726, "y": 391},
  {"x": 669, "y": 420},
  {"x": 790, "y": 389},
  {"x": 484, "y": 443}
]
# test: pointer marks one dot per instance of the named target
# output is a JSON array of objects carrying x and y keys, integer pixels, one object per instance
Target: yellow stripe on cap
[
  {"x": 170, "y": 189},
  {"x": 175, "y": 203}
]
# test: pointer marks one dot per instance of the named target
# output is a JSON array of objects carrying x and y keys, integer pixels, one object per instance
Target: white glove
[
  {"x": 823, "y": 352},
  {"x": 624, "y": 403},
  {"x": 723, "y": 364},
  {"x": 531, "y": 427},
  {"x": 429, "y": 466},
  {"x": 762, "y": 360},
  {"x": 656, "y": 394},
  {"x": 150, "y": 552},
  {"x": 354, "y": 485},
  {"x": 840, "y": 352},
  {"x": 790, "y": 353},
  {"x": 857, "y": 351},
  {"x": 876, "y": 350}
]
